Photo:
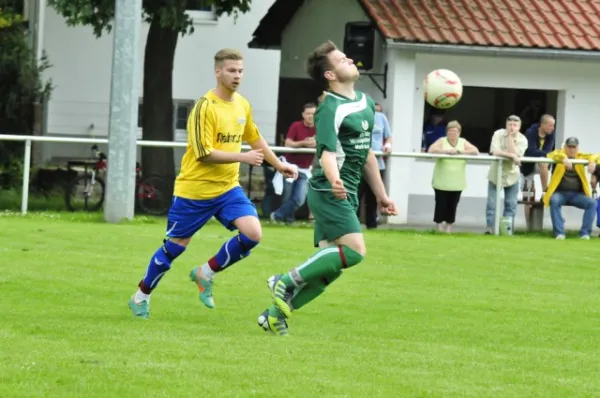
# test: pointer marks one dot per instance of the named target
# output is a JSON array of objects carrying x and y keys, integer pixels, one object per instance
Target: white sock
[
  {"x": 141, "y": 296},
  {"x": 207, "y": 272}
]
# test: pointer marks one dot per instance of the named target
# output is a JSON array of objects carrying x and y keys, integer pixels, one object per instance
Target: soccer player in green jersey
[{"x": 344, "y": 122}]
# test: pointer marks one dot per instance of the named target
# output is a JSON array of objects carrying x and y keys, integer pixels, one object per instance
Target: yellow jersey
[{"x": 214, "y": 124}]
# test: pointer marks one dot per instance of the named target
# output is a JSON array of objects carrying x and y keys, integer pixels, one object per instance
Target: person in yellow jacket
[{"x": 569, "y": 186}]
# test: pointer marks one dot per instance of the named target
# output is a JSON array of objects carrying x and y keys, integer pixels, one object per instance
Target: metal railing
[{"x": 169, "y": 144}]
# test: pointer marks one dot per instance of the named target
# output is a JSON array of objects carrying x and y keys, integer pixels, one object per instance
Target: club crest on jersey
[
  {"x": 241, "y": 121},
  {"x": 365, "y": 125}
]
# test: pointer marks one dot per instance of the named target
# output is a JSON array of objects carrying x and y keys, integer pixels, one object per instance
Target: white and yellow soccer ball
[{"x": 443, "y": 89}]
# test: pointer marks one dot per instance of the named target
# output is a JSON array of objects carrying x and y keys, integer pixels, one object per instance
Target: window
[
  {"x": 140, "y": 114},
  {"x": 200, "y": 5},
  {"x": 181, "y": 112},
  {"x": 202, "y": 11}
]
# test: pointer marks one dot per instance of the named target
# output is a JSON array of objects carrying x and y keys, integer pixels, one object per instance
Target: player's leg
[
  {"x": 235, "y": 213},
  {"x": 185, "y": 218},
  {"x": 337, "y": 221},
  {"x": 273, "y": 319}
]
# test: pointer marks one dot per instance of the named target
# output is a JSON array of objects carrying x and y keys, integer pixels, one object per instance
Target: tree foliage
[
  {"x": 99, "y": 14},
  {"x": 168, "y": 19},
  {"x": 21, "y": 88},
  {"x": 21, "y": 83}
]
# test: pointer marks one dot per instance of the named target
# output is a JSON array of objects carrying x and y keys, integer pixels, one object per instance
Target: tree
[
  {"x": 168, "y": 20},
  {"x": 21, "y": 89}
]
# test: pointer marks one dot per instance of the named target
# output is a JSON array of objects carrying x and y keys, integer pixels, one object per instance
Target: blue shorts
[{"x": 187, "y": 216}]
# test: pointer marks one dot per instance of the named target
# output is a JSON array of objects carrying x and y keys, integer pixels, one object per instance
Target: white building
[
  {"x": 507, "y": 53},
  {"x": 82, "y": 66}
]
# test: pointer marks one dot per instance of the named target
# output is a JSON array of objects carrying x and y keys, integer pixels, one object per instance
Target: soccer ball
[{"x": 443, "y": 89}]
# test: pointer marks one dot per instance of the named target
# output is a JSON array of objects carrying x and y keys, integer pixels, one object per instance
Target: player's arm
[
  {"x": 262, "y": 145},
  {"x": 326, "y": 137},
  {"x": 373, "y": 176},
  {"x": 201, "y": 127},
  {"x": 258, "y": 143}
]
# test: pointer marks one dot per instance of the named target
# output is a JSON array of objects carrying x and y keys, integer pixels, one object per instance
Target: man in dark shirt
[
  {"x": 540, "y": 142},
  {"x": 301, "y": 134}
]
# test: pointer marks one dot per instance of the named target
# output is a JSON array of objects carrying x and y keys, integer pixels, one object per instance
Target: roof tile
[{"x": 557, "y": 24}]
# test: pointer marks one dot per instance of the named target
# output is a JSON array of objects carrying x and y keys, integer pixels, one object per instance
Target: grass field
[{"x": 425, "y": 315}]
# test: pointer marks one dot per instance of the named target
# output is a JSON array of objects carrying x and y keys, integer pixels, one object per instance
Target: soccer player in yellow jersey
[{"x": 208, "y": 183}]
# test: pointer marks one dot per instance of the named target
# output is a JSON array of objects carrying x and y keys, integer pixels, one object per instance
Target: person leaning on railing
[
  {"x": 449, "y": 175},
  {"x": 511, "y": 144},
  {"x": 569, "y": 186}
]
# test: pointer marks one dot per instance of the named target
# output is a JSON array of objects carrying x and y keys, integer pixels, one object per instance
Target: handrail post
[
  {"x": 499, "y": 189},
  {"x": 26, "y": 171}
]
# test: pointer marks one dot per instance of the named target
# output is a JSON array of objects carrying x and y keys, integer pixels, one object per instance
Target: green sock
[
  {"x": 306, "y": 294},
  {"x": 312, "y": 290},
  {"x": 327, "y": 261}
]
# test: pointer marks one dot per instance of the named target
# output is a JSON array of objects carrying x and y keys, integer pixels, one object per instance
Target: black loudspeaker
[{"x": 359, "y": 44}]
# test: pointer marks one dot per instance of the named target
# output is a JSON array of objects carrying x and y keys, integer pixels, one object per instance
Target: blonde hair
[
  {"x": 454, "y": 124},
  {"x": 227, "y": 54}
]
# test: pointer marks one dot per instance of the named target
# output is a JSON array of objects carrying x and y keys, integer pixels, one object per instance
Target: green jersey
[{"x": 344, "y": 127}]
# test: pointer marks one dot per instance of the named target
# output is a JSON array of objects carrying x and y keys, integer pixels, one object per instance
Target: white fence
[{"x": 168, "y": 144}]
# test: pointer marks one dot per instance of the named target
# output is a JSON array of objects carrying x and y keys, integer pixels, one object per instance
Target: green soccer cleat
[
  {"x": 280, "y": 294},
  {"x": 139, "y": 310},
  {"x": 276, "y": 325},
  {"x": 204, "y": 286}
]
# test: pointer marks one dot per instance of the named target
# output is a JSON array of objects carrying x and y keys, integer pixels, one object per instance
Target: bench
[{"x": 535, "y": 220}]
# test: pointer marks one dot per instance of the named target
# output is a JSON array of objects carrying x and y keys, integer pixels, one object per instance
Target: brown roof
[{"x": 556, "y": 24}]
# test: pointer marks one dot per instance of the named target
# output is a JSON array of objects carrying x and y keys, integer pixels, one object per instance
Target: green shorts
[{"x": 334, "y": 218}]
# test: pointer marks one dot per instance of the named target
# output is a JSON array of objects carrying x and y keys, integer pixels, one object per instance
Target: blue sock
[
  {"x": 159, "y": 264},
  {"x": 231, "y": 252}
]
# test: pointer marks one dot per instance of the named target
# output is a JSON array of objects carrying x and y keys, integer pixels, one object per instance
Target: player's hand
[
  {"x": 288, "y": 170},
  {"x": 568, "y": 165},
  {"x": 254, "y": 157},
  {"x": 338, "y": 189},
  {"x": 387, "y": 148},
  {"x": 387, "y": 206},
  {"x": 451, "y": 151}
]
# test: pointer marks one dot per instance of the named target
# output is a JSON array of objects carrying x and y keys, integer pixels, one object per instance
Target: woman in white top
[{"x": 449, "y": 175}]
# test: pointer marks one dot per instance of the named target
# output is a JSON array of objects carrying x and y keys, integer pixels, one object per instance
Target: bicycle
[{"x": 152, "y": 193}]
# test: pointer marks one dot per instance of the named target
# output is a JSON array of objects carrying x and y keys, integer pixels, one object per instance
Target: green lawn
[{"x": 425, "y": 315}]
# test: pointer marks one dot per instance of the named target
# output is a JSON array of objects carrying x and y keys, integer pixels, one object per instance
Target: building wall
[
  {"x": 82, "y": 66},
  {"x": 298, "y": 41},
  {"x": 577, "y": 88},
  {"x": 574, "y": 80}
]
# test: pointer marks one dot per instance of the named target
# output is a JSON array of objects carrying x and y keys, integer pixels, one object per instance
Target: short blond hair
[
  {"x": 225, "y": 54},
  {"x": 454, "y": 124}
]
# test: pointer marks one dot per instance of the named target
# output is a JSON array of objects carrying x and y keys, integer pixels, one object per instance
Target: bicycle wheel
[
  {"x": 153, "y": 195},
  {"x": 85, "y": 194}
]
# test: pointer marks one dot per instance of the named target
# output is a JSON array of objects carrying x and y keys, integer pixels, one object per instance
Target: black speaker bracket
[{"x": 372, "y": 76}]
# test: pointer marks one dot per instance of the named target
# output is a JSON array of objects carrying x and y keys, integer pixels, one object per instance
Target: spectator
[
  {"x": 540, "y": 142},
  {"x": 381, "y": 140},
  {"x": 511, "y": 144},
  {"x": 434, "y": 130},
  {"x": 569, "y": 187},
  {"x": 301, "y": 134},
  {"x": 449, "y": 175},
  {"x": 594, "y": 183}
]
